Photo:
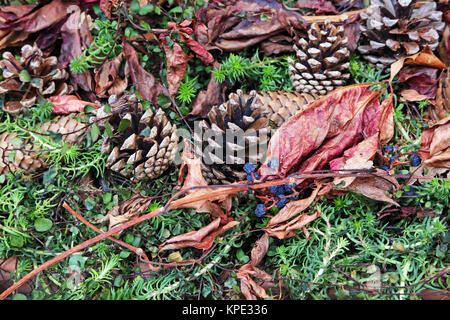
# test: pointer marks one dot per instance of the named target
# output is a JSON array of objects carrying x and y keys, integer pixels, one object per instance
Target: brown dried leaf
[
  {"x": 75, "y": 37},
  {"x": 435, "y": 144},
  {"x": 289, "y": 228},
  {"x": 194, "y": 178},
  {"x": 177, "y": 62},
  {"x": 126, "y": 211},
  {"x": 8, "y": 266},
  {"x": 424, "y": 58},
  {"x": 260, "y": 249},
  {"x": 214, "y": 94},
  {"x": 202, "y": 238},
  {"x": 146, "y": 83},
  {"x": 412, "y": 95},
  {"x": 249, "y": 288}
]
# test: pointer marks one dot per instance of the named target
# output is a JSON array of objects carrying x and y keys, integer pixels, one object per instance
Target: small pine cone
[
  {"x": 146, "y": 148},
  {"x": 322, "y": 60},
  {"x": 247, "y": 116},
  {"x": 32, "y": 76},
  {"x": 442, "y": 107},
  {"x": 394, "y": 29},
  {"x": 280, "y": 106},
  {"x": 29, "y": 158}
]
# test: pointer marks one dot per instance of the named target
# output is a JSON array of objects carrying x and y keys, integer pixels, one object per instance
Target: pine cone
[
  {"x": 27, "y": 156},
  {"x": 322, "y": 60},
  {"x": 32, "y": 76},
  {"x": 250, "y": 114},
  {"x": 442, "y": 107},
  {"x": 394, "y": 29},
  {"x": 146, "y": 148}
]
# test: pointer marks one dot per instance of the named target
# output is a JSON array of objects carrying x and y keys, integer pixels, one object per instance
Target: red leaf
[{"x": 68, "y": 104}]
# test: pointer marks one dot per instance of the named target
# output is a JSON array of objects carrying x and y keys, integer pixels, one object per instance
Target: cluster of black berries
[
  {"x": 282, "y": 194},
  {"x": 414, "y": 160}
]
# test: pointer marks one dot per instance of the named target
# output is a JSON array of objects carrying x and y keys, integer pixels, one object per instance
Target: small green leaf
[
  {"x": 163, "y": 100},
  {"x": 134, "y": 6},
  {"x": 95, "y": 132},
  {"x": 123, "y": 125},
  {"x": 108, "y": 129},
  {"x": 124, "y": 254},
  {"x": 16, "y": 241},
  {"x": 107, "y": 197},
  {"x": 49, "y": 175},
  {"x": 175, "y": 257},
  {"x": 146, "y": 9},
  {"x": 24, "y": 76},
  {"x": 19, "y": 296},
  {"x": 89, "y": 203},
  {"x": 88, "y": 109},
  {"x": 43, "y": 224},
  {"x": 158, "y": 10},
  {"x": 107, "y": 108}
]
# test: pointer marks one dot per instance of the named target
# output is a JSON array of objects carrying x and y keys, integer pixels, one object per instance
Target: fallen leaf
[
  {"x": 194, "y": 178},
  {"x": 126, "y": 210},
  {"x": 205, "y": 100},
  {"x": 8, "y": 266},
  {"x": 146, "y": 83},
  {"x": 107, "y": 79},
  {"x": 249, "y": 288},
  {"x": 319, "y": 6},
  {"x": 442, "y": 106},
  {"x": 423, "y": 80},
  {"x": 75, "y": 37},
  {"x": 65, "y": 104},
  {"x": 424, "y": 58},
  {"x": 202, "y": 238},
  {"x": 435, "y": 144},
  {"x": 412, "y": 95},
  {"x": 177, "y": 62},
  {"x": 328, "y": 126},
  {"x": 259, "y": 249}
]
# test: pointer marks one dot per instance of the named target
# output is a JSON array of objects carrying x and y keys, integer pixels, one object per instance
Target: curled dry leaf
[
  {"x": 412, "y": 95},
  {"x": 213, "y": 95},
  {"x": 249, "y": 288},
  {"x": 423, "y": 80},
  {"x": 194, "y": 178},
  {"x": 260, "y": 249},
  {"x": 76, "y": 36},
  {"x": 146, "y": 83},
  {"x": 425, "y": 58},
  {"x": 8, "y": 266},
  {"x": 435, "y": 145},
  {"x": 442, "y": 106},
  {"x": 69, "y": 103},
  {"x": 126, "y": 210},
  {"x": 202, "y": 238},
  {"x": 177, "y": 62},
  {"x": 109, "y": 80}
]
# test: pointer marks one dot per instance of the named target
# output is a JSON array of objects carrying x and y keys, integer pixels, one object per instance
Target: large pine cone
[
  {"x": 393, "y": 29},
  {"x": 248, "y": 117},
  {"x": 27, "y": 156},
  {"x": 146, "y": 148},
  {"x": 32, "y": 76},
  {"x": 322, "y": 60}
]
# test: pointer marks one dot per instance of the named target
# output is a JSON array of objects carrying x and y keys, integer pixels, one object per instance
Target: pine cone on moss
[
  {"x": 146, "y": 144},
  {"x": 322, "y": 60},
  {"x": 18, "y": 154},
  {"x": 32, "y": 76},
  {"x": 247, "y": 116},
  {"x": 394, "y": 29}
]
